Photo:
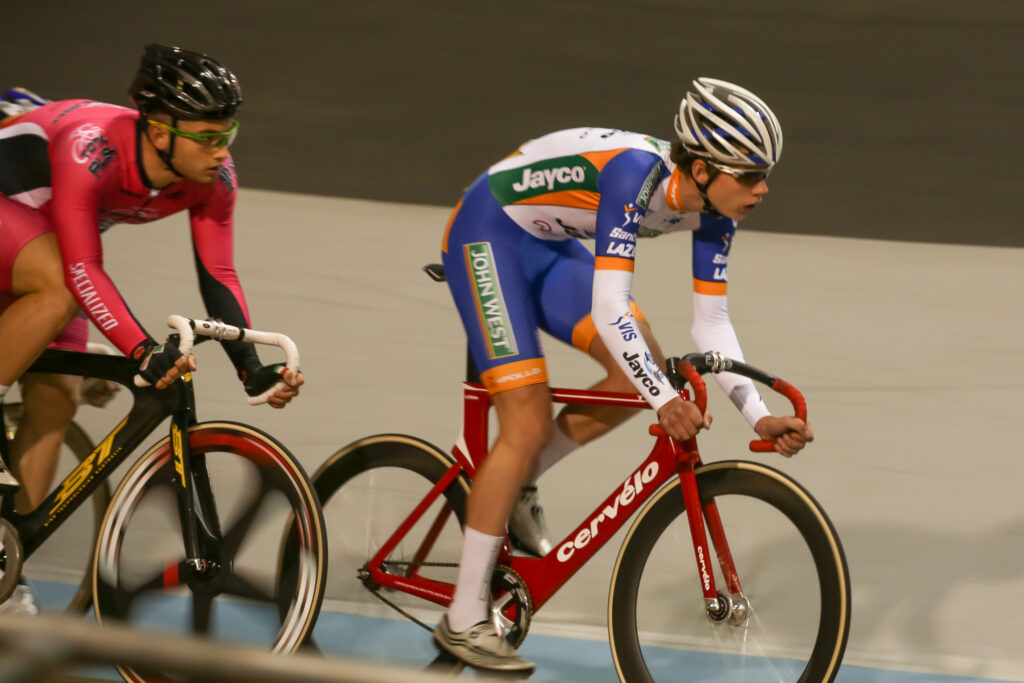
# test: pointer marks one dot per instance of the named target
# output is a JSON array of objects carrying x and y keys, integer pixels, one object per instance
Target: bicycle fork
[
  {"x": 719, "y": 607},
  {"x": 199, "y": 521}
]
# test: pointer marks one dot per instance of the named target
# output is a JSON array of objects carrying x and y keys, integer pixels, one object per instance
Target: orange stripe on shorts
[{"x": 514, "y": 375}]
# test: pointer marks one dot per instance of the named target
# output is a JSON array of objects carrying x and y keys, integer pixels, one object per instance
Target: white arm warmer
[
  {"x": 712, "y": 331},
  {"x": 619, "y": 332}
]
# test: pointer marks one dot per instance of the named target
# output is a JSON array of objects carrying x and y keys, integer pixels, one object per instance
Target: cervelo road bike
[
  {"x": 772, "y": 602},
  {"x": 182, "y": 544}
]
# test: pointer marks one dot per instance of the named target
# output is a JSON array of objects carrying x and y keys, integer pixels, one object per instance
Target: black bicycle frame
[{"x": 149, "y": 409}]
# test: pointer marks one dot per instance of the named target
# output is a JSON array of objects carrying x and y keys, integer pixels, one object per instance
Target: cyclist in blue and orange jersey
[
  {"x": 71, "y": 169},
  {"x": 515, "y": 265}
]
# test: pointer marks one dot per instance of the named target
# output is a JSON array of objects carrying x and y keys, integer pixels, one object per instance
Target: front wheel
[
  {"x": 792, "y": 619},
  {"x": 250, "y": 491}
]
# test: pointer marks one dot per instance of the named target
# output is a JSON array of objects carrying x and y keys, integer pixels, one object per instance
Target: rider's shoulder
[
  {"x": 69, "y": 112},
  {"x": 71, "y": 121},
  {"x": 597, "y": 138}
]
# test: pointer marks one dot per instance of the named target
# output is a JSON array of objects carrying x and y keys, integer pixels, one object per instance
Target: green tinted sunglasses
[{"x": 217, "y": 140}]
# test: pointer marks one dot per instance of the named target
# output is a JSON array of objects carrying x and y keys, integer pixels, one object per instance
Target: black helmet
[{"x": 188, "y": 85}]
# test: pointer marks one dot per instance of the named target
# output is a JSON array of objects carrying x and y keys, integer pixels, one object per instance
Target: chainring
[{"x": 511, "y": 605}]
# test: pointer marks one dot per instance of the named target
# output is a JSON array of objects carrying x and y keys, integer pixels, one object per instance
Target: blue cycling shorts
[{"x": 508, "y": 284}]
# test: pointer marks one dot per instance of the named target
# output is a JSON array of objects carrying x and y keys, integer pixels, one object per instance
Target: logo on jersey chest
[
  {"x": 90, "y": 146},
  {"x": 490, "y": 303},
  {"x": 548, "y": 177},
  {"x": 571, "y": 173}
]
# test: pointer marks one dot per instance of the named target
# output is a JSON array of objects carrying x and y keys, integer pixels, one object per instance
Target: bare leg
[
  {"x": 44, "y": 307},
  {"x": 524, "y": 424},
  {"x": 524, "y": 417},
  {"x": 50, "y": 404}
]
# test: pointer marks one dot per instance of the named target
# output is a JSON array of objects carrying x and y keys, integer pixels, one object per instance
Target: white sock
[
  {"x": 473, "y": 585},
  {"x": 3, "y": 390},
  {"x": 559, "y": 447}
]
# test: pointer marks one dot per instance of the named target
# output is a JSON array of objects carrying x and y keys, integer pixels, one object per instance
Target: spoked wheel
[
  {"x": 367, "y": 490},
  {"x": 791, "y": 621},
  {"x": 231, "y": 593},
  {"x": 65, "y": 557}
]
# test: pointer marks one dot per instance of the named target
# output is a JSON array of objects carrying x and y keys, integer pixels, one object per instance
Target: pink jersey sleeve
[
  {"x": 213, "y": 242},
  {"x": 213, "y": 239},
  {"x": 84, "y": 166}
]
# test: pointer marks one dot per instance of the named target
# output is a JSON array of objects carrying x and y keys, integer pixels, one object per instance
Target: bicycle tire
[
  {"x": 397, "y": 471},
  {"x": 281, "y": 484},
  {"x": 649, "y": 618},
  {"x": 81, "y": 446}
]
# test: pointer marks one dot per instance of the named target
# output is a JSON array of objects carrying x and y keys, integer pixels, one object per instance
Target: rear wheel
[
  {"x": 367, "y": 489},
  {"x": 232, "y": 593},
  {"x": 792, "y": 619},
  {"x": 63, "y": 561}
]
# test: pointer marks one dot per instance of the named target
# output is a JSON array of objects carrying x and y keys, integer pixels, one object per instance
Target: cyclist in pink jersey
[{"x": 71, "y": 169}]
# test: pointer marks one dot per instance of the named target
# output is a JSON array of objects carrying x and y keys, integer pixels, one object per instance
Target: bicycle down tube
[{"x": 148, "y": 411}]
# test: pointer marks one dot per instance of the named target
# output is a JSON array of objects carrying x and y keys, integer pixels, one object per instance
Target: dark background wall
[{"x": 902, "y": 118}]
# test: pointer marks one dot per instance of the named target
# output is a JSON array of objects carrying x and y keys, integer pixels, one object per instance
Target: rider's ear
[
  {"x": 160, "y": 137},
  {"x": 699, "y": 171}
]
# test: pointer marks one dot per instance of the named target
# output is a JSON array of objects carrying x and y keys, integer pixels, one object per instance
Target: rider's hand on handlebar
[
  {"x": 164, "y": 364},
  {"x": 264, "y": 377},
  {"x": 790, "y": 434},
  {"x": 682, "y": 419}
]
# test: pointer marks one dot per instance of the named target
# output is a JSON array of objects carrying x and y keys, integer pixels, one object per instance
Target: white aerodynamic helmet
[{"x": 722, "y": 122}]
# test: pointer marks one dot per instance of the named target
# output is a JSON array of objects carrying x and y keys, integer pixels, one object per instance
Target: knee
[
  {"x": 59, "y": 298},
  {"x": 524, "y": 416},
  {"x": 64, "y": 305},
  {"x": 531, "y": 432},
  {"x": 55, "y": 301},
  {"x": 536, "y": 435}
]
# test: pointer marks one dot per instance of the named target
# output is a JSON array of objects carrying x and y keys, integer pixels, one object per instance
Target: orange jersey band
[
  {"x": 576, "y": 199},
  {"x": 613, "y": 263},
  {"x": 514, "y": 375},
  {"x": 709, "y": 288}
]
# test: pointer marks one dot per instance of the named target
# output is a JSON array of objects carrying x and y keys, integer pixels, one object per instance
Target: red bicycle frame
[{"x": 545, "y": 575}]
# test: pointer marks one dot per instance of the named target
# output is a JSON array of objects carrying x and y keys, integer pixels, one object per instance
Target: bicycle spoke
[
  {"x": 234, "y": 536},
  {"x": 202, "y": 607},
  {"x": 239, "y": 586}
]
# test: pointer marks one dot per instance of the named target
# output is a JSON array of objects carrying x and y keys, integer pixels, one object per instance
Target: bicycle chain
[
  {"x": 399, "y": 609},
  {"x": 528, "y": 600}
]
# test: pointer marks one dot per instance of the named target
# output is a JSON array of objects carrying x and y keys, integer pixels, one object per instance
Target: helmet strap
[
  {"x": 708, "y": 208},
  {"x": 166, "y": 156}
]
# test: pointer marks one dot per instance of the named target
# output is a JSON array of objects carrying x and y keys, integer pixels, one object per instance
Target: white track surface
[{"x": 909, "y": 355}]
